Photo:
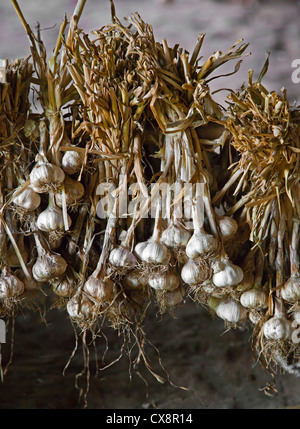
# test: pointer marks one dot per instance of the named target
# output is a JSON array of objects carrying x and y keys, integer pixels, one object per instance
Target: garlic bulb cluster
[
  {"x": 155, "y": 252},
  {"x": 28, "y": 200},
  {"x": 226, "y": 273},
  {"x": 10, "y": 285}
]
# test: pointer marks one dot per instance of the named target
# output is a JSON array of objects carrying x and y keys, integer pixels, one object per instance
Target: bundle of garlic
[
  {"x": 265, "y": 180},
  {"x": 132, "y": 185}
]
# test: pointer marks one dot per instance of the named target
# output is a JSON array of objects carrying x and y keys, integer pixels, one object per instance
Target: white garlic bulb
[
  {"x": 122, "y": 257},
  {"x": 192, "y": 273},
  {"x": 102, "y": 290},
  {"x": 52, "y": 219},
  {"x": 296, "y": 316},
  {"x": 231, "y": 311},
  {"x": 277, "y": 328},
  {"x": 228, "y": 226},
  {"x": 74, "y": 191},
  {"x": 175, "y": 236},
  {"x": 226, "y": 273},
  {"x": 10, "y": 285},
  {"x": 290, "y": 292},
  {"x": 135, "y": 279},
  {"x": 166, "y": 280},
  {"x": 156, "y": 253},
  {"x": 139, "y": 248},
  {"x": 72, "y": 161},
  {"x": 46, "y": 177},
  {"x": 48, "y": 266},
  {"x": 254, "y": 298},
  {"x": 80, "y": 307},
  {"x": 28, "y": 200},
  {"x": 201, "y": 242}
]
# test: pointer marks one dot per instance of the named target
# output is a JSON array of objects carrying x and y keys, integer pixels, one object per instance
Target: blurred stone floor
[{"x": 194, "y": 348}]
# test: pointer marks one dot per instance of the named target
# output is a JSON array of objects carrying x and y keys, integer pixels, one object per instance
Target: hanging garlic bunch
[
  {"x": 10, "y": 285},
  {"x": 28, "y": 200},
  {"x": 74, "y": 191},
  {"x": 48, "y": 264},
  {"x": 154, "y": 251},
  {"x": 226, "y": 273},
  {"x": 277, "y": 327},
  {"x": 201, "y": 242},
  {"x": 52, "y": 218},
  {"x": 46, "y": 177}
]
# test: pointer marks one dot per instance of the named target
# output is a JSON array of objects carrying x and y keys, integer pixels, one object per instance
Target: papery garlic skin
[
  {"x": 277, "y": 328},
  {"x": 254, "y": 298},
  {"x": 139, "y": 248},
  {"x": 255, "y": 317},
  {"x": 174, "y": 297},
  {"x": 74, "y": 191},
  {"x": 122, "y": 257},
  {"x": 175, "y": 236},
  {"x": 192, "y": 273},
  {"x": 80, "y": 307},
  {"x": 231, "y": 311},
  {"x": 46, "y": 178},
  {"x": 100, "y": 289},
  {"x": 64, "y": 286},
  {"x": 135, "y": 279},
  {"x": 227, "y": 274},
  {"x": 156, "y": 253},
  {"x": 72, "y": 161},
  {"x": 10, "y": 285},
  {"x": 52, "y": 219},
  {"x": 200, "y": 243},
  {"x": 165, "y": 280},
  {"x": 48, "y": 266},
  {"x": 290, "y": 292},
  {"x": 28, "y": 200},
  {"x": 228, "y": 226}
]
